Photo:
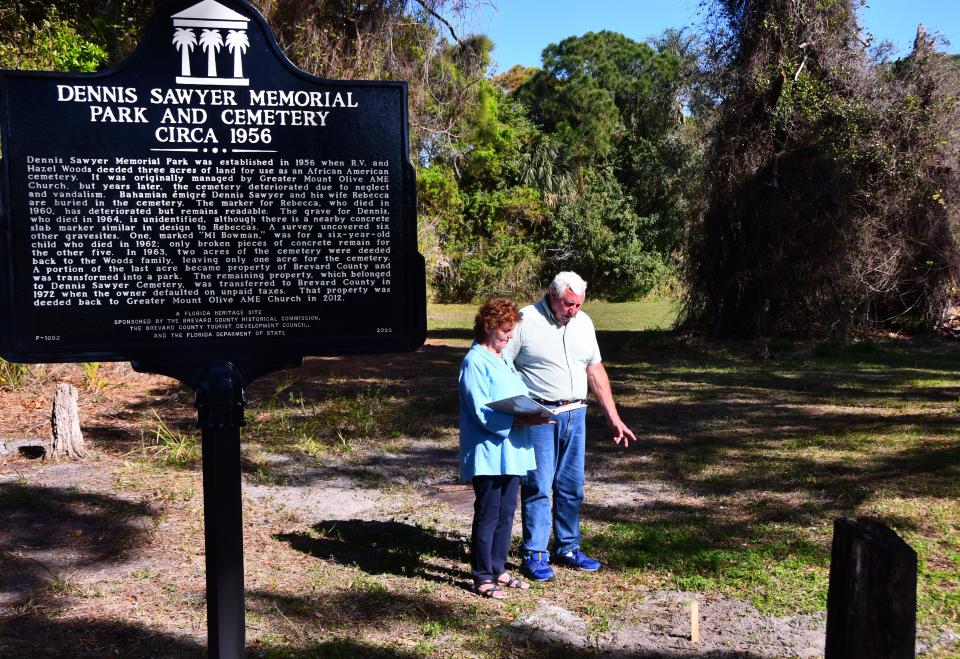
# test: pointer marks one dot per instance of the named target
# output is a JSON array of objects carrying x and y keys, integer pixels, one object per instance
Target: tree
[
  {"x": 69, "y": 35},
  {"x": 600, "y": 89},
  {"x": 489, "y": 220},
  {"x": 510, "y": 80},
  {"x": 608, "y": 107},
  {"x": 826, "y": 204},
  {"x": 598, "y": 234},
  {"x": 696, "y": 90},
  {"x": 46, "y": 39},
  {"x": 66, "y": 437}
]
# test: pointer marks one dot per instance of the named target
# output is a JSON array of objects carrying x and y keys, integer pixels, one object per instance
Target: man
[{"x": 555, "y": 351}]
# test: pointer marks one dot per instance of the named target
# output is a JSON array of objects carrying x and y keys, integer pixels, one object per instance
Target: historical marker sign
[
  {"x": 206, "y": 200},
  {"x": 208, "y": 211}
]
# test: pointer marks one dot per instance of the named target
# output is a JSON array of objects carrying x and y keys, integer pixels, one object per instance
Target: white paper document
[{"x": 525, "y": 406}]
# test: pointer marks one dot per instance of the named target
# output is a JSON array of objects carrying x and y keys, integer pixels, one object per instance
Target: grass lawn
[
  {"x": 763, "y": 455},
  {"x": 742, "y": 466},
  {"x": 625, "y": 316},
  {"x": 749, "y": 460},
  {"x": 757, "y": 457}
]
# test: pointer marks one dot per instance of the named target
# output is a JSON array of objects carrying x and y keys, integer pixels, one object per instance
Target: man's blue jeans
[{"x": 559, "y": 449}]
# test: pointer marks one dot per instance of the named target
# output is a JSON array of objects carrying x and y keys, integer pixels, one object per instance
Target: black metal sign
[
  {"x": 206, "y": 199},
  {"x": 207, "y": 211}
]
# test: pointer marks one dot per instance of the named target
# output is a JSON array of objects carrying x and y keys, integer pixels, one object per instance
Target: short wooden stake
[{"x": 694, "y": 621}]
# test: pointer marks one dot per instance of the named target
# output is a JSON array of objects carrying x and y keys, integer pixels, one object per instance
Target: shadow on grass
[
  {"x": 382, "y": 547},
  {"x": 347, "y": 648},
  {"x": 763, "y": 455},
  {"x": 401, "y": 373},
  {"x": 49, "y": 534},
  {"x": 348, "y": 614},
  {"x": 337, "y": 404},
  {"x": 809, "y": 435},
  {"x": 365, "y": 607},
  {"x": 714, "y": 419},
  {"x": 362, "y": 604},
  {"x": 555, "y": 650},
  {"x": 172, "y": 401},
  {"x": 738, "y": 437},
  {"x": 27, "y": 636},
  {"x": 343, "y": 648},
  {"x": 780, "y": 567}
]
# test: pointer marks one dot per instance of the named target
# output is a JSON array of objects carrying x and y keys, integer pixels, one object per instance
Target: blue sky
[{"x": 520, "y": 29}]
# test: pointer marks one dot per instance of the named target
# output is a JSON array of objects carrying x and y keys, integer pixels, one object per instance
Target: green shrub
[
  {"x": 53, "y": 45},
  {"x": 13, "y": 376}
]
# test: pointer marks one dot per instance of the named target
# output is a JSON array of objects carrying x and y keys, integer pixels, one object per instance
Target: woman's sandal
[
  {"x": 507, "y": 581},
  {"x": 492, "y": 590}
]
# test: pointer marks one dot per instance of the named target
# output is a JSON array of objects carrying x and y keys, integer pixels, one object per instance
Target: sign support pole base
[{"x": 220, "y": 402}]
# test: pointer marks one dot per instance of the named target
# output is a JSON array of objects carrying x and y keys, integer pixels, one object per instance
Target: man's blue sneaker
[
  {"x": 577, "y": 560},
  {"x": 537, "y": 567}
]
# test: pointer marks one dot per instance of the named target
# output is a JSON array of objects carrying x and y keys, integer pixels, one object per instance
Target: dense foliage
[
  {"x": 610, "y": 104},
  {"x": 572, "y": 166},
  {"x": 69, "y": 35},
  {"x": 830, "y": 177}
]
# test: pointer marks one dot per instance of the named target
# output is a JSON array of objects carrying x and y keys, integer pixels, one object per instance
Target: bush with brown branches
[{"x": 830, "y": 176}]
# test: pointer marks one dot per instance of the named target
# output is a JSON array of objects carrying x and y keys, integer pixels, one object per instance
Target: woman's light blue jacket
[{"x": 489, "y": 443}]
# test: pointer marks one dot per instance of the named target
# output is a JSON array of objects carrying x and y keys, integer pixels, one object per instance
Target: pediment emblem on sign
[{"x": 219, "y": 27}]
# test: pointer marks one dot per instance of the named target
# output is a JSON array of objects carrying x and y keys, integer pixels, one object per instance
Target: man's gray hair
[{"x": 567, "y": 280}]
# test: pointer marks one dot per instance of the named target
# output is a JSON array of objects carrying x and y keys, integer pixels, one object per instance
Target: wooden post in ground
[
  {"x": 694, "y": 621},
  {"x": 872, "y": 597},
  {"x": 65, "y": 424}
]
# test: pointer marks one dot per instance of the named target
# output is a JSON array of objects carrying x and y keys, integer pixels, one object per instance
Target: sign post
[
  {"x": 207, "y": 211},
  {"x": 220, "y": 401}
]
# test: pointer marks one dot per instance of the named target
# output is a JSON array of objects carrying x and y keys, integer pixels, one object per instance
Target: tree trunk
[{"x": 65, "y": 424}]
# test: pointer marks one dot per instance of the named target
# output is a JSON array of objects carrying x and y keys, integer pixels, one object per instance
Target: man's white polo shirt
[{"x": 552, "y": 358}]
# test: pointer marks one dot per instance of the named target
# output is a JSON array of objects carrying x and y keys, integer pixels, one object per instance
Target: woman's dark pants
[{"x": 492, "y": 525}]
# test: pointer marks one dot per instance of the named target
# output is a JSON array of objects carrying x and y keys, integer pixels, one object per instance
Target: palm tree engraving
[
  {"x": 237, "y": 43},
  {"x": 211, "y": 41},
  {"x": 184, "y": 39}
]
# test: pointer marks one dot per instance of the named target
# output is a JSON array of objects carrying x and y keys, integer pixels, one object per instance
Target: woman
[{"x": 494, "y": 449}]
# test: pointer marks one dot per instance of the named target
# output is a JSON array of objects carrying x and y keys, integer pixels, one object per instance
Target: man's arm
[{"x": 600, "y": 385}]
